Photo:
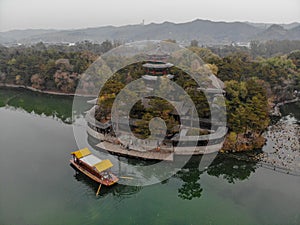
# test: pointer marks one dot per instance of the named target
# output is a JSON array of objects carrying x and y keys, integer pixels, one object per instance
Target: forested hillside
[{"x": 205, "y": 31}]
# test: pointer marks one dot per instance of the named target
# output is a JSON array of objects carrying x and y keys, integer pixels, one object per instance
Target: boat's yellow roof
[
  {"x": 103, "y": 165},
  {"x": 81, "y": 153}
]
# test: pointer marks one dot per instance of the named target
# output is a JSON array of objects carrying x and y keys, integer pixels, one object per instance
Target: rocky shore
[
  {"x": 282, "y": 148},
  {"x": 243, "y": 142}
]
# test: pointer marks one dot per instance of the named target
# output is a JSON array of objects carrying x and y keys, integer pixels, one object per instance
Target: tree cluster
[{"x": 52, "y": 67}]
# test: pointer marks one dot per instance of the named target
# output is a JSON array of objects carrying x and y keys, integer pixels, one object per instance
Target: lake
[{"x": 38, "y": 185}]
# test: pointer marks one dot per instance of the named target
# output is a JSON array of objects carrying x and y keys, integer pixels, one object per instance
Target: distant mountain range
[{"x": 205, "y": 31}]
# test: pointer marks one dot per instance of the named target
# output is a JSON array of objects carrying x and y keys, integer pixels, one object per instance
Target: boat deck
[
  {"x": 116, "y": 149},
  {"x": 97, "y": 179}
]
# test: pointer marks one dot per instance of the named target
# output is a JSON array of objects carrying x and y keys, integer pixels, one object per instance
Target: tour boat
[{"x": 93, "y": 167}]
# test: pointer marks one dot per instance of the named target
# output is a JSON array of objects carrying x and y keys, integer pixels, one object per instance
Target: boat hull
[{"x": 93, "y": 177}]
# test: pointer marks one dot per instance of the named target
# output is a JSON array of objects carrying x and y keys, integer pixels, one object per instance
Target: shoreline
[
  {"x": 274, "y": 112},
  {"x": 276, "y": 108},
  {"x": 45, "y": 92}
]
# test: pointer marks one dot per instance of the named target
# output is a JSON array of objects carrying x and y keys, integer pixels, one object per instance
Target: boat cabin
[{"x": 93, "y": 167}]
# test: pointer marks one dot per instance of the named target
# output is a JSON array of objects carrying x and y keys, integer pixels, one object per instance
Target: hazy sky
[{"x": 62, "y": 14}]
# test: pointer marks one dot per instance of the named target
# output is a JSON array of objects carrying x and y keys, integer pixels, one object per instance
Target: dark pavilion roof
[{"x": 157, "y": 61}]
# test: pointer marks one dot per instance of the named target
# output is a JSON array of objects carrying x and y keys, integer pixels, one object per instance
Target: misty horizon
[
  {"x": 67, "y": 14},
  {"x": 152, "y": 22}
]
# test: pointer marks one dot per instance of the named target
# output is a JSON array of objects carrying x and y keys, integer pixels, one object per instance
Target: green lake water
[{"x": 38, "y": 185}]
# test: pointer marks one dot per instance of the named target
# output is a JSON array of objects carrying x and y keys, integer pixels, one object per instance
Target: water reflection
[
  {"x": 190, "y": 175},
  {"x": 41, "y": 104},
  {"x": 231, "y": 169},
  {"x": 291, "y": 109}
]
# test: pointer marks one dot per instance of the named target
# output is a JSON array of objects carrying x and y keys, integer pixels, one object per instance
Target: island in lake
[{"x": 254, "y": 80}]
